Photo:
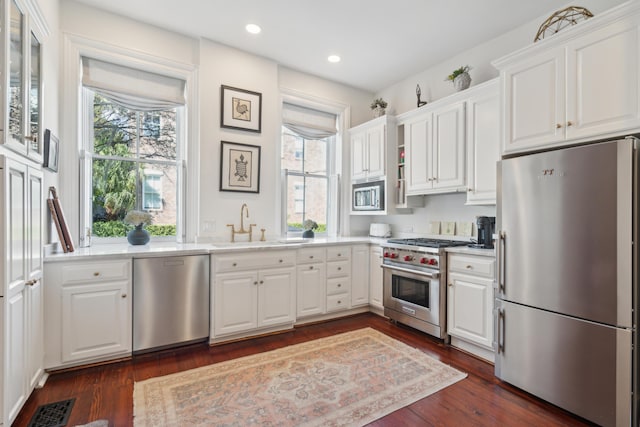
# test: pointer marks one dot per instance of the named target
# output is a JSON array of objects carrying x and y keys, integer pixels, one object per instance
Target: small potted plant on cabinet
[
  {"x": 460, "y": 78},
  {"x": 378, "y": 106}
]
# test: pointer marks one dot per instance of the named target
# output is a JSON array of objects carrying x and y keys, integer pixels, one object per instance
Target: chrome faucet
[{"x": 243, "y": 210}]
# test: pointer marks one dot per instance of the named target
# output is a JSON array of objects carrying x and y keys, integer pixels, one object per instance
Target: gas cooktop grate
[{"x": 431, "y": 243}]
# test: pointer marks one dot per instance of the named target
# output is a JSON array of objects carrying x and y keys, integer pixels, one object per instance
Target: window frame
[
  {"x": 86, "y": 160},
  {"x": 338, "y": 216}
]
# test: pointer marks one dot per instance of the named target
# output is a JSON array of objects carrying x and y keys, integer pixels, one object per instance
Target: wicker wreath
[{"x": 562, "y": 19}]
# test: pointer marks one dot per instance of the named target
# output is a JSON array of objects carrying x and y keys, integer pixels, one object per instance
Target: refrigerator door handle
[
  {"x": 501, "y": 244},
  {"x": 499, "y": 345}
]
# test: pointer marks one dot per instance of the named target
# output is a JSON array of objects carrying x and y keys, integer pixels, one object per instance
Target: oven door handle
[{"x": 433, "y": 275}]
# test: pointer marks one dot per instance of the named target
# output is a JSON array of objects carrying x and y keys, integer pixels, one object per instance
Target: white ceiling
[{"x": 380, "y": 41}]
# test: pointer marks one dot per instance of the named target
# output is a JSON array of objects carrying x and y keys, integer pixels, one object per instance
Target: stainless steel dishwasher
[{"x": 170, "y": 301}]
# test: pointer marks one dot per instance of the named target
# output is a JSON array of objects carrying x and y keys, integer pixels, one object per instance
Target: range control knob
[
  {"x": 394, "y": 255},
  {"x": 423, "y": 260},
  {"x": 433, "y": 262},
  {"x": 408, "y": 258},
  {"x": 386, "y": 255}
]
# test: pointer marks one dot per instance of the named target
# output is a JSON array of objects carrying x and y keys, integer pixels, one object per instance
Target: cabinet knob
[
  {"x": 124, "y": 295},
  {"x": 469, "y": 267},
  {"x": 261, "y": 282},
  {"x": 30, "y": 282},
  {"x": 234, "y": 264},
  {"x": 339, "y": 268},
  {"x": 558, "y": 126},
  {"x": 280, "y": 261},
  {"x": 96, "y": 273},
  {"x": 450, "y": 284},
  {"x": 310, "y": 256},
  {"x": 339, "y": 302},
  {"x": 569, "y": 123},
  {"x": 311, "y": 267},
  {"x": 339, "y": 255},
  {"x": 255, "y": 283}
]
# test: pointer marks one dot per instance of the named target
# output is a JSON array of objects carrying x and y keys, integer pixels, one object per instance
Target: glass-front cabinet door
[{"x": 23, "y": 83}]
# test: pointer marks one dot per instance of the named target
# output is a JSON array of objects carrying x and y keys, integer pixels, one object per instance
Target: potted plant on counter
[
  {"x": 138, "y": 236},
  {"x": 309, "y": 225}
]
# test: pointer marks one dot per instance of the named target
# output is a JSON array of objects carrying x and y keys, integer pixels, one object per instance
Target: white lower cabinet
[
  {"x": 359, "y": 275},
  {"x": 311, "y": 282},
  {"x": 252, "y": 292},
  {"x": 339, "y": 280},
  {"x": 375, "y": 278},
  {"x": 470, "y": 303},
  {"x": 89, "y": 312}
]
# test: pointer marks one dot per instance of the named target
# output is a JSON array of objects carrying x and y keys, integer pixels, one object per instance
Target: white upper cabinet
[
  {"x": 22, "y": 88},
  {"x": 434, "y": 142},
  {"x": 483, "y": 143},
  {"x": 368, "y": 148},
  {"x": 581, "y": 84}
]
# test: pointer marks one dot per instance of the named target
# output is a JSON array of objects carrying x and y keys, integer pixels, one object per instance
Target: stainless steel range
[{"x": 414, "y": 283}]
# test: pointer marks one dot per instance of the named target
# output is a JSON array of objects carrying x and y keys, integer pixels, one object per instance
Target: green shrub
[
  {"x": 120, "y": 229},
  {"x": 322, "y": 228}
]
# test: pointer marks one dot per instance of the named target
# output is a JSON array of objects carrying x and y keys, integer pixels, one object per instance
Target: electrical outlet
[{"x": 448, "y": 227}]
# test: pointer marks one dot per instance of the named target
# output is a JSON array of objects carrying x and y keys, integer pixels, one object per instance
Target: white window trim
[
  {"x": 339, "y": 216},
  {"x": 73, "y": 183}
]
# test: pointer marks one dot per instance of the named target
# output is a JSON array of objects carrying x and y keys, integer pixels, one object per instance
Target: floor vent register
[{"x": 54, "y": 414}]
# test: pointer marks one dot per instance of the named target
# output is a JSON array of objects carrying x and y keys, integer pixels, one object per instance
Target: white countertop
[
  {"x": 471, "y": 251},
  {"x": 156, "y": 249}
]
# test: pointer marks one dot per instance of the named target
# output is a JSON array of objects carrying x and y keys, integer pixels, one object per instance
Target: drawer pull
[
  {"x": 310, "y": 256},
  {"x": 339, "y": 285},
  {"x": 280, "y": 261},
  {"x": 96, "y": 273},
  {"x": 469, "y": 267},
  {"x": 339, "y": 302},
  {"x": 124, "y": 295},
  {"x": 255, "y": 283},
  {"x": 261, "y": 282},
  {"x": 234, "y": 264},
  {"x": 311, "y": 267},
  {"x": 339, "y": 268},
  {"x": 339, "y": 255}
]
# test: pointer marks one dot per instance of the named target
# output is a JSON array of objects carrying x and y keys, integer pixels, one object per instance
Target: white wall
[
  {"x": 402, "y": 97},
  {"x": 217, "y": 65}
]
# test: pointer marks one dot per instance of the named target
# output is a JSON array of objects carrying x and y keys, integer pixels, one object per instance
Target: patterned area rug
[{"x": 348, "y": 379}]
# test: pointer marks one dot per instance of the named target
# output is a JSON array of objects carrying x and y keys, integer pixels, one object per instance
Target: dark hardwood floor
[{"x": 105, "y": 392}]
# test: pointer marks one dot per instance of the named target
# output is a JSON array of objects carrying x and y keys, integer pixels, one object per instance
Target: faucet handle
[{"x": 262, "y": 239}]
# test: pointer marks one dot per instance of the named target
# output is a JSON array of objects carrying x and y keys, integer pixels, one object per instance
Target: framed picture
[
  {"x": 239, "y": 167},
  {"x": 240, "y": 109},
  {"x": 51, "y": 149}
]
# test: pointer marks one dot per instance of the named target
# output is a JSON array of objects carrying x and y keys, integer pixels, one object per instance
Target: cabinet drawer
[
  {"x": 338, "y": 268},
  {"x": 255, "y": 260},
  {"x": 338, "y": 302},
  {"x": 310, "y": 255},
  {"x": 96, "y": 271},
  {"x": 474, "y": 265},
  {"x": 338, "y": 285},
  {"x": 338, "y": 253}
]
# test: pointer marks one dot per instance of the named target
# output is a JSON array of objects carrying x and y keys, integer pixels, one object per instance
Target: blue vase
[
  {"x": 308, "y": 234},
  {"x": 138, "y": 236}
]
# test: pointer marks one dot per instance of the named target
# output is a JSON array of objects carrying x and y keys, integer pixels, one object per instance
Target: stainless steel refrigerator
[{"x": 567, "y": 288}]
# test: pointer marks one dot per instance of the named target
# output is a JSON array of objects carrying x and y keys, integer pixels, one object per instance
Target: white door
[
  {"x": 534, "y": 92},
  {"x": 96, "y": 320},
  {"x": 483, "y": 145},
  {"x": 470, "y": 309},
  {"x": 359, "y": 275},
  {"x": 235, "y": 302},
  {"x": 418, "y": 155},
  {"x": 376, "y": 151},
  {"x": 276, "y": 297},
  {"x": 448, "y": 147},
  {"x": 358, "y": 156},
  {"x": 15, "y": 353},
  {"x": 311, "y": 289},
  {"x": 34, "y": 292},
  {"x": 602, "y": 82},
  {"x": 375, "y": 277}
]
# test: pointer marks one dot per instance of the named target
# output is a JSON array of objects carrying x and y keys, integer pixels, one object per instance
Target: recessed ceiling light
[
  {"x": 253, "y": 28},
  {"x": 333, "y": 58}
]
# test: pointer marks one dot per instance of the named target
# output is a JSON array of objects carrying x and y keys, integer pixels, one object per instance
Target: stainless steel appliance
[
  {"x": 414, "y": 283},
  {"x": 170, "y": 301},
  {"x": 368, "y": 196},
  {"x": 567, "y": 291}
]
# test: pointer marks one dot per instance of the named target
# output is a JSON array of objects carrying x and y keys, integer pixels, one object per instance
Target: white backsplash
[{"x": 441, "y": 207}]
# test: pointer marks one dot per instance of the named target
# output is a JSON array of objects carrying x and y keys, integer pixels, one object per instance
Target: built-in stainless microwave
[{"x": 368, "y": 196}]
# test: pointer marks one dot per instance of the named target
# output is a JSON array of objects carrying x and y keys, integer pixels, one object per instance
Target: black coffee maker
[{"x": 486, "y": 227}]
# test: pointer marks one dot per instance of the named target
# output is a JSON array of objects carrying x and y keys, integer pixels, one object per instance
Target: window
[
  {"x": 152, "y": 190},
  {"x": 132, "y": 146}
]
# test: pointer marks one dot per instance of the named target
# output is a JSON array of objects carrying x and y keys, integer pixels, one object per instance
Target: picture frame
[
  {"x": 51, "y": 151},
  {"x": 239, "y": 167},
  {"x": 240, "y": 109}
]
